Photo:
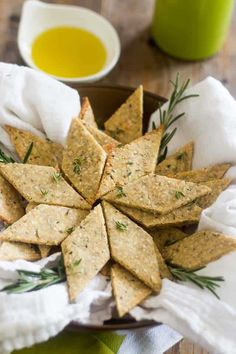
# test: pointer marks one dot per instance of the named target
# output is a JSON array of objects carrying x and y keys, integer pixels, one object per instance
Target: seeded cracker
[
  {"x": 127, "y": 289},
  {"x": 186, "y": 215},
  {"x": 85, "y": 252},
  {"x": 157, "y": 194},
  {"x": 11, "y": 251},
  {"x": 38, "y": 184},
  {"x": 180, "y": 161},
  {"x": 199, "y": 249},
  {"x": 44, "y": 225},
  {"x": 217, "y": 186},
  {"x": 204, "y": 174},
  {"x": 86, "y": 113},
  {"x": 125, "y": 125},
  {"x": 83, "y": 161},
  {"x": 11, "y": 208},
  {"x": 132, "y": 247},
  {"x": 42, "y": 152},
  {"x": 164, "y": 271},
  {"x": 131, "y": 161},
  {"x": 166, "y": 237}
]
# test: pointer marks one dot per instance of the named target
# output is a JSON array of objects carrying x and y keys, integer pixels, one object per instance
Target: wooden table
[{"x": 140, "y": 62}]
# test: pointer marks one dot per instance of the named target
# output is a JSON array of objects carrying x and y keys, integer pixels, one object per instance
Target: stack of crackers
[{"x": 106, "y": 203}]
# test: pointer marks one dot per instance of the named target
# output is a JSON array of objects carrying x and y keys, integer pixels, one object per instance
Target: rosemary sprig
[
  {"x": 4, "y": 158},
  {"x": 32, "y": 281},
  {"x": 121, "y": 226},
  {"x": 166, "y": 116},
  {"x": 120, "y": 193},
  {"x": 202, "y": 281},
  {"x": 28, "y": 152}
]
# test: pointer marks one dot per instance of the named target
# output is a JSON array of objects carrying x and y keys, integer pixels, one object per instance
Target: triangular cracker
[
  {"x": 128, "y": 290},
  {"x": 41, "y": 153},
  {"x": 57, "y": 150},
  {"x": 11, "y": 208},
  {"x": 83, "y": 161},
  {"x": 44, "y": 225},
  {"x": 204, "y": 174},
  {"x": 217, "y": 186},
  {"x": 102, "y": 138},
  {"x": 166, "y": 237},
  {"x": 131, "y": 161},
  {"x": 85, "y": 252},
  {"x": 42, "y": 185},
  {"x": 186, "y": 215},
  {"x": 11, "y": 251},
  {"x": 158, "y": 194},
  {"x": 125, "y": 124},
  {"x": 86, "y": 113},
  {"x": 199, "y": 249},
  {"x": 132, "y": 247},
  {"x": 180, "y": 161}
]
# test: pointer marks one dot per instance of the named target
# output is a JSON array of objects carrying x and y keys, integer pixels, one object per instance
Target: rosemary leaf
[
  {"x": 28, "y": 152},
  {"x": 57, "y": 176},
  {"x": 179, "y": 194},
  {"x": 121, "y": 226},
  {"x": 77, "y": 165},
  {"x": 202, "y": 281},
  {"x": 70, "y": 230},
  {"x": 44, "y": 192},
  {"x": 120, "y": 193},
  {"x": 4, "y": 158}
]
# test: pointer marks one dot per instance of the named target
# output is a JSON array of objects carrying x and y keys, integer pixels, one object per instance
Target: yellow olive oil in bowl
[{"x": 68, "y": 52}]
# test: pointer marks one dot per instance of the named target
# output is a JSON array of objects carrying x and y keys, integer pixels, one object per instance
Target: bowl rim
[
  {"x": 128, "y": 324},
  {"x": 87, "y": 12}
]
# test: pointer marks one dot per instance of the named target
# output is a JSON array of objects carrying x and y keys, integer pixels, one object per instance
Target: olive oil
[{"x": 68, "y": 52}]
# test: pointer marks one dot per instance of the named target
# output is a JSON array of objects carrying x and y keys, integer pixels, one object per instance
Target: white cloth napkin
[
  {"x": 34, "y": 101},
  {"x": 33, "y": 317}
]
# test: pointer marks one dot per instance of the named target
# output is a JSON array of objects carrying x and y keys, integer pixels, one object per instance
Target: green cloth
[{"x": 78, "y": 343}]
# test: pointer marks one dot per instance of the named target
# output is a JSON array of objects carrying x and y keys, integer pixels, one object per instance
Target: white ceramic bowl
[{"x": 38, "y": 16}]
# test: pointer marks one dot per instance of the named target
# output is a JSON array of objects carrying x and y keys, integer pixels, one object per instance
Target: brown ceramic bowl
[{"x": 105, "y": 100}]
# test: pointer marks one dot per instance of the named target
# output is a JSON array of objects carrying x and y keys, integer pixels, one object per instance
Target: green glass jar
[{"x": 191, "y": 29}]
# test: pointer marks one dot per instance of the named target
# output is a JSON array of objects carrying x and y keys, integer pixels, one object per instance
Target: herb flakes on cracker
[
  {"x": 128, "y": 290},
  {"x": 126, "y": 124},
  {"x": 204, "y": 174},
  {"x": 85, "y": 251}
]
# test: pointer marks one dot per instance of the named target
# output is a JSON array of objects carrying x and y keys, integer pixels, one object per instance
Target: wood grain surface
[{"x": 140, "y": 62}]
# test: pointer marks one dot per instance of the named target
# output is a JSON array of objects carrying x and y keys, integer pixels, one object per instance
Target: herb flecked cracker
[
  {"x": 163, "y": 268},
  {"x": 102, "y": 138},
  {"x": 86, "y": 113},
  {"x": 44, "y": 225},
  {"x": 41, "y": 153},
  {"x": 204, "y": 174},
  {"x": 186, "y": 215},
  {"x": 42, "y": 185},
  {"x": 11, "y": 251},
  {"x": 180, "y": 161},
  {"x": 132, "y": 247},
  {"x": 199, "y": 249},
  {"x": 11, "y": 208},
  {"x": 157, "y": 194},
  {"x": 128, "y": 290},
  {"x": 131, "y": 161},
  {"x": 83, "y": 161},
  {"x": 85, "y": 251},
  {"x": 166, "y": 237},
  {"x": 217, "y": 186},
  {"x": 126, "y": 124}
]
